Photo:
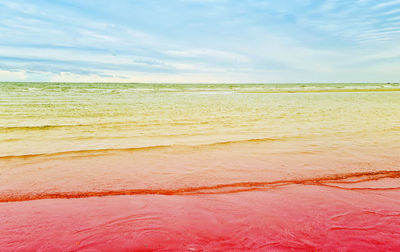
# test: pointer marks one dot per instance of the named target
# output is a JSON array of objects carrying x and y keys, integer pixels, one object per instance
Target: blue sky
[{"x": 200, "y": 40}]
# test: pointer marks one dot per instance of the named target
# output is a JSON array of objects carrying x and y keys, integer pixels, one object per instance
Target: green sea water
[{"x": 56, "y": 117}]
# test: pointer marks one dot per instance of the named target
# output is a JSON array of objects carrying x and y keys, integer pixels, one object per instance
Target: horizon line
[{"x": 198, "y": 83}]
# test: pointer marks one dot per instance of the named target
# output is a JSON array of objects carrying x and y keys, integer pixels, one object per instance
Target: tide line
[{"x": 329, "y": 180}]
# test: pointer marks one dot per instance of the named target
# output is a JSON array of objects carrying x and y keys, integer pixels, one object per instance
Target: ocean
[{"x": 199, "y": 166}]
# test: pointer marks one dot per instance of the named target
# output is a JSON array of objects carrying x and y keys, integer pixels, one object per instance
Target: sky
[{"x": 208, "y": 41}]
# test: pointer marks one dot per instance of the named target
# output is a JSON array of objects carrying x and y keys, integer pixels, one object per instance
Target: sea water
[{"x": 106, "y": 166}]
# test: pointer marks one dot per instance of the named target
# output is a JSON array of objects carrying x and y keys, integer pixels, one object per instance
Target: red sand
[{"x": 295, "y": 217}]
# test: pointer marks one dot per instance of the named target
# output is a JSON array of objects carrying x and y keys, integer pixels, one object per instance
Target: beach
[{"x": 198, "y": 167}]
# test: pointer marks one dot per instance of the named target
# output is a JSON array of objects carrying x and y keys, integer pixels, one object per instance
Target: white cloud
[
  {"x": 130, "y": 77},
  {"x": 387, "y": 4},
  {"x": 12, "y": 75},
  {"x": 72, "y": 77},
  {"x": 209, "y": 53}
]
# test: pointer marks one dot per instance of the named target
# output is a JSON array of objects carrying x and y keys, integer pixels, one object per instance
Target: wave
[
  {"x": 329, "y": 181},
  {"x": 40, "y": 127},
  {"x": 106, "y": 150},
  {"x": 54, "y": 126},
  {"x": 331, "y": 90},
  {"x": 110, "y": 124}
]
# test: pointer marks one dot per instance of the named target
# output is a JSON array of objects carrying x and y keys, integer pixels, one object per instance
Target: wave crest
[
  {"x": 105, "y": 150},
  {"x": 329, "y": 180}
]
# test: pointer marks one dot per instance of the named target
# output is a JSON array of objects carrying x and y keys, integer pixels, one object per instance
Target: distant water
[{"x": 57, "y": 117}]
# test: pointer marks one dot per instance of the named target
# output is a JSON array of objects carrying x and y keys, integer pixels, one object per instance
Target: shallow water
[
  {"x": 48, "y": 117},
  {"x": 301, "y": 218},
  {"x": 199, "y": 167}
]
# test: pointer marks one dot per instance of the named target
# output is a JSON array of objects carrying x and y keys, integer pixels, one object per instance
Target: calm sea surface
[
  {"x": 57, "y": 117},
  {"x": 190, "y": 167}
]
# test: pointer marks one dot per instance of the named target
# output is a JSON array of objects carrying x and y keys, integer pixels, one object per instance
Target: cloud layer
[{"x": 200, "y": 41}]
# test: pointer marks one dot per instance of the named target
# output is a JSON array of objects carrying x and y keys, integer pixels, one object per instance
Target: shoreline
[{"x": 348, "y": 181}]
